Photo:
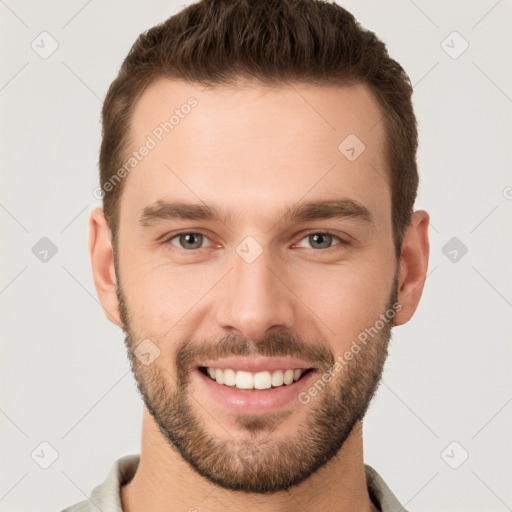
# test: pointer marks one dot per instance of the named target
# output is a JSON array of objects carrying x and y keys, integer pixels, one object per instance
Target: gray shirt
[{"x": 106, "y": 497}]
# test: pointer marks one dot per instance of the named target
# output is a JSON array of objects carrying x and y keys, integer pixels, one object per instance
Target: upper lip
[{"x": 257, "y": 364}]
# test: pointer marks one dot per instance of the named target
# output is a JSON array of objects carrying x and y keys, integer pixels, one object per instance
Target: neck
[{"x": 165, "y": 482}]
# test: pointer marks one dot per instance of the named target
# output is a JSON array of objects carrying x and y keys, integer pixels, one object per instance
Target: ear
[
  {"x": 102, "y": 261},
  {"x": 413, "y": 265}
]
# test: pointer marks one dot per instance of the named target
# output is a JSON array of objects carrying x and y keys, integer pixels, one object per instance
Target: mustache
[{"x": 275, "y": 344}]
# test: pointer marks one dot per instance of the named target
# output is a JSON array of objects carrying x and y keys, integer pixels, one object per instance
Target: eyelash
[{"x": 167, "y": 240}]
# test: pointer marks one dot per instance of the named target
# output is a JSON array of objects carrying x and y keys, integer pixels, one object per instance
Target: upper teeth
[{"x": 248, "y": 380}]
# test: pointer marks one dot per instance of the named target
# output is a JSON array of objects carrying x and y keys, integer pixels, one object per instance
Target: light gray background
[{"x": 65, "y": 377}]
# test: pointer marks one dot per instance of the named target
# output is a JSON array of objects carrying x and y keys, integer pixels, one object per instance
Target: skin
[{"x": 253, "y": 150}]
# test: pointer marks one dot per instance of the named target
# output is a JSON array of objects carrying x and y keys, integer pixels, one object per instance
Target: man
[{"x": 257, "y": 243}]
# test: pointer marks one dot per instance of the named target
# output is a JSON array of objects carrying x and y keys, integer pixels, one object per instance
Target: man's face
[{"x": 259, "y": 290}]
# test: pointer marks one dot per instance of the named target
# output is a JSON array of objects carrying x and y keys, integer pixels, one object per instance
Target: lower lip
[{"x": 254, "y": 400}]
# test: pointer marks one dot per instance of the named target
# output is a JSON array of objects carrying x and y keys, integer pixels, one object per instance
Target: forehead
[{"x": 256, "y": 147}]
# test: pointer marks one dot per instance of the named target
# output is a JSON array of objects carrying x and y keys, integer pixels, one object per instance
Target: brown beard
[{"x": 260, "y": 464}]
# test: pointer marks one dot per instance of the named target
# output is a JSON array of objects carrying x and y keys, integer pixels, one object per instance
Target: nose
[{"x": 254, "y": 299}]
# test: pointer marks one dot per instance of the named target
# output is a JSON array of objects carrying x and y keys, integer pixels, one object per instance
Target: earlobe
[
  {"x": 413, "y": 265},
  {"x": 102, "y": 262}
]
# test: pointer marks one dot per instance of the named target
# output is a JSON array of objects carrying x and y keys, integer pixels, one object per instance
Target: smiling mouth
[{"x": 258, "y": 381}]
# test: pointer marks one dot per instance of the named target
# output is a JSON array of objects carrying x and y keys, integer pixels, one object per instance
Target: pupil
[
  {"x": 189, "y": 237},
  {"x": 318, "y": 239}
]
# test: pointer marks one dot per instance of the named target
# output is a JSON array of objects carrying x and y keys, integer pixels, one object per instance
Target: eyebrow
[{"x": 301, "y": 212}]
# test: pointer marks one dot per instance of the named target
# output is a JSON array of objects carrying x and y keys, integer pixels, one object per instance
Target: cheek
[
  {"x": 162, "y": 296},
  {"x": 346, "y": 299},
  {"x": 340, "y": 299}
]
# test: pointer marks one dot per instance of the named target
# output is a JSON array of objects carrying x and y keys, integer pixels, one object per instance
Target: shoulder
[
  {"x": 380, "y": 492},
  {"x": 82, "y": 506},
  {"x": 107, "y": 495}
]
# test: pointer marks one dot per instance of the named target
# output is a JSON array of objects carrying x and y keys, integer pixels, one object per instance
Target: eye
[
  {"x": 321, "y": 240},
  {"x": 188, "y": 240},
  {"x": 191, "y": 241}
]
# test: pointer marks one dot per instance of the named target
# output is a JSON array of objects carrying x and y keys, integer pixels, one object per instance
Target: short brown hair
[{"x": 215, "y": 42}]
